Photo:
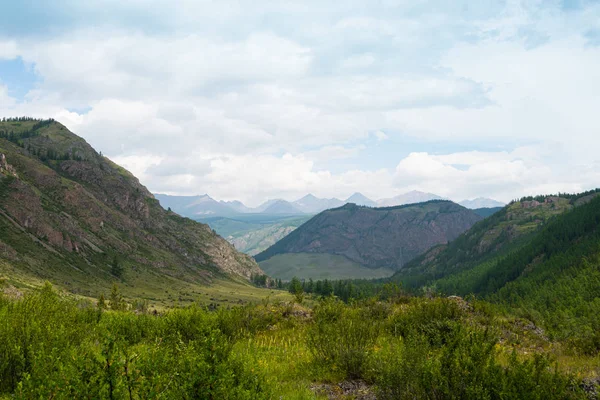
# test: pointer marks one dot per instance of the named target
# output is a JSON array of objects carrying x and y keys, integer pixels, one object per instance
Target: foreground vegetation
[{"x": 52, "y": 346}]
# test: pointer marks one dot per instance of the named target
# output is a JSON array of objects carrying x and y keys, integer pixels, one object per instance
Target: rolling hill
[
  {"x": 75, "y": 218},
  {"x": 377, "y": 237}
]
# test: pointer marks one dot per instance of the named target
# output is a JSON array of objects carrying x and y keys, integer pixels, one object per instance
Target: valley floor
[
  {"x": 160, "y": 294},
  {"x": 319, "y": 266}
]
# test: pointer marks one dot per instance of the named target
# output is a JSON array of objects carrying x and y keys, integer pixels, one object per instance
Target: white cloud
[
  {"x": 5, "y": 100},
  {"x": 501, "y": 175},
  {"x": 380, "y": 135},
  {"x": 252, "y": 102},
  {"x": 8, "y": 50}
]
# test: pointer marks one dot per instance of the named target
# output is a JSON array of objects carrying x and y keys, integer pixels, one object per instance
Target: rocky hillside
[
  {"x": 487, "y": 241},
  {"x": 377, "y": 237},
  {"x": 72, "y": 216}
]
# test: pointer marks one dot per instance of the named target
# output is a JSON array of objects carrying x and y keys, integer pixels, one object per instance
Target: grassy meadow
[{"x": 319, "y": 266}]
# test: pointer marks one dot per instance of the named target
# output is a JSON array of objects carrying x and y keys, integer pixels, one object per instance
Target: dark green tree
[
  {"x": 295, "y": 288},
  {"x": 116, "y": 267}
]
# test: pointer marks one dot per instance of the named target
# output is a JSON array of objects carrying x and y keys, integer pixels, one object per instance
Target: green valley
[
  {"x": 319, "y": 266},
  {"x": 253, "y": 233},
  {"x": 148, "y": 304}
]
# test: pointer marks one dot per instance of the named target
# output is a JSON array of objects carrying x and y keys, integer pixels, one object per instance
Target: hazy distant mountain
[
  {"x": 311, "y": 204},
  {"x": 361, "y": 200},
  {"x": 481, "y": 202},
  {"x": 265, "y": 205},
  {"x": 412, "y": 197},
  {"x": 375, "y": 237},
  {"x": 281, "y": 207},
  {"x": 237, "y": 206},
  {"x": 195, "y": 206}
]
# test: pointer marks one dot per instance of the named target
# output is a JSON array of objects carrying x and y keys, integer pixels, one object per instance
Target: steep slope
[
  {"x": 411, "y": 197},
  {"x": 544, "y": 263},
  {"x": 72, "y": 216},
  {"x": 195, "y": 206},
  {"x": 377, "y": 237},
  {"x": 454, "y": 267},
  {"x": 361, "y": 200}
]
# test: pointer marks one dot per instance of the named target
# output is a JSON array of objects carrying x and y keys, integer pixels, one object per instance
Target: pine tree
[
  {"x": 117, "y": 303},
  {"x": 296, "y": 289},
  {"x": 101, "y": 302},
  {"x": 116, "y": 267}
]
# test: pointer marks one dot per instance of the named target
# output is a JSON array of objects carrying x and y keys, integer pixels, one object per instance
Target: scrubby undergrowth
[{"x": 52, "y": 346}]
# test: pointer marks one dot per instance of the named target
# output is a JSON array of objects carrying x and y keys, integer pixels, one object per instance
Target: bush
[
  {"x": 51, "y": 347},
  {"x": 436, "y": 320},
  {"x": 342, "y": 336},
  {"x": 248, "y": 320},
  {"x": 466, "y": 368}
]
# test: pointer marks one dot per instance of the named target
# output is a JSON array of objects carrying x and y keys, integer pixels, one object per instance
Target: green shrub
[
  {"x": 342, "y": 336},
  {"x": 52, "y": 347},
  {"x": 248, "y": 320},
  {"x": 466, "y": 367},
  {"x": 437, "y": 320}
]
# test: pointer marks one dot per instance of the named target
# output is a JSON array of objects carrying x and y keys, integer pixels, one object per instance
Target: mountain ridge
[
  {"x": 70, "y": 212},
  {"x": 377, "y": 237},
  {"x": 496, "y": 236}
]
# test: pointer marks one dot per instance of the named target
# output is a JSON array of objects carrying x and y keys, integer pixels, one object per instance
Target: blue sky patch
[{"x": 18, "y": 76}]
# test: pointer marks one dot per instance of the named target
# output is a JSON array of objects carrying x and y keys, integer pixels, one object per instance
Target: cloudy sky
[{"x": 263, "y": 99}]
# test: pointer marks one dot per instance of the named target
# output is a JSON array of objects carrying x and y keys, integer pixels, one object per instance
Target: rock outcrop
[{"x": 6, "y": 168}]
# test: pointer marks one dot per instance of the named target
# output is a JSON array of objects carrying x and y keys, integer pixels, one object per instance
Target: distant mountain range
[
  {"x": 481, "y": 202},
  {"x": 281, "y": 207},
  {"x": 411, "y": 197},
  {"x": 204, "y": 206},
  {"x": 310, "y": 204},
  {"x": 360, "y": 200}
]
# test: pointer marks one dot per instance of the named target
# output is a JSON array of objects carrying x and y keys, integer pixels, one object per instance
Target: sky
[{"x": 255, "y": 100}]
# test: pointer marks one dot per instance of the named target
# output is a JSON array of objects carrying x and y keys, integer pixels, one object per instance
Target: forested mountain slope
[
  {"x": 550, "y": 271},
  {"x": 377, "y": 237},
  {"x": 72, "y": 216},
  {"x": 501, "y": 232}
]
